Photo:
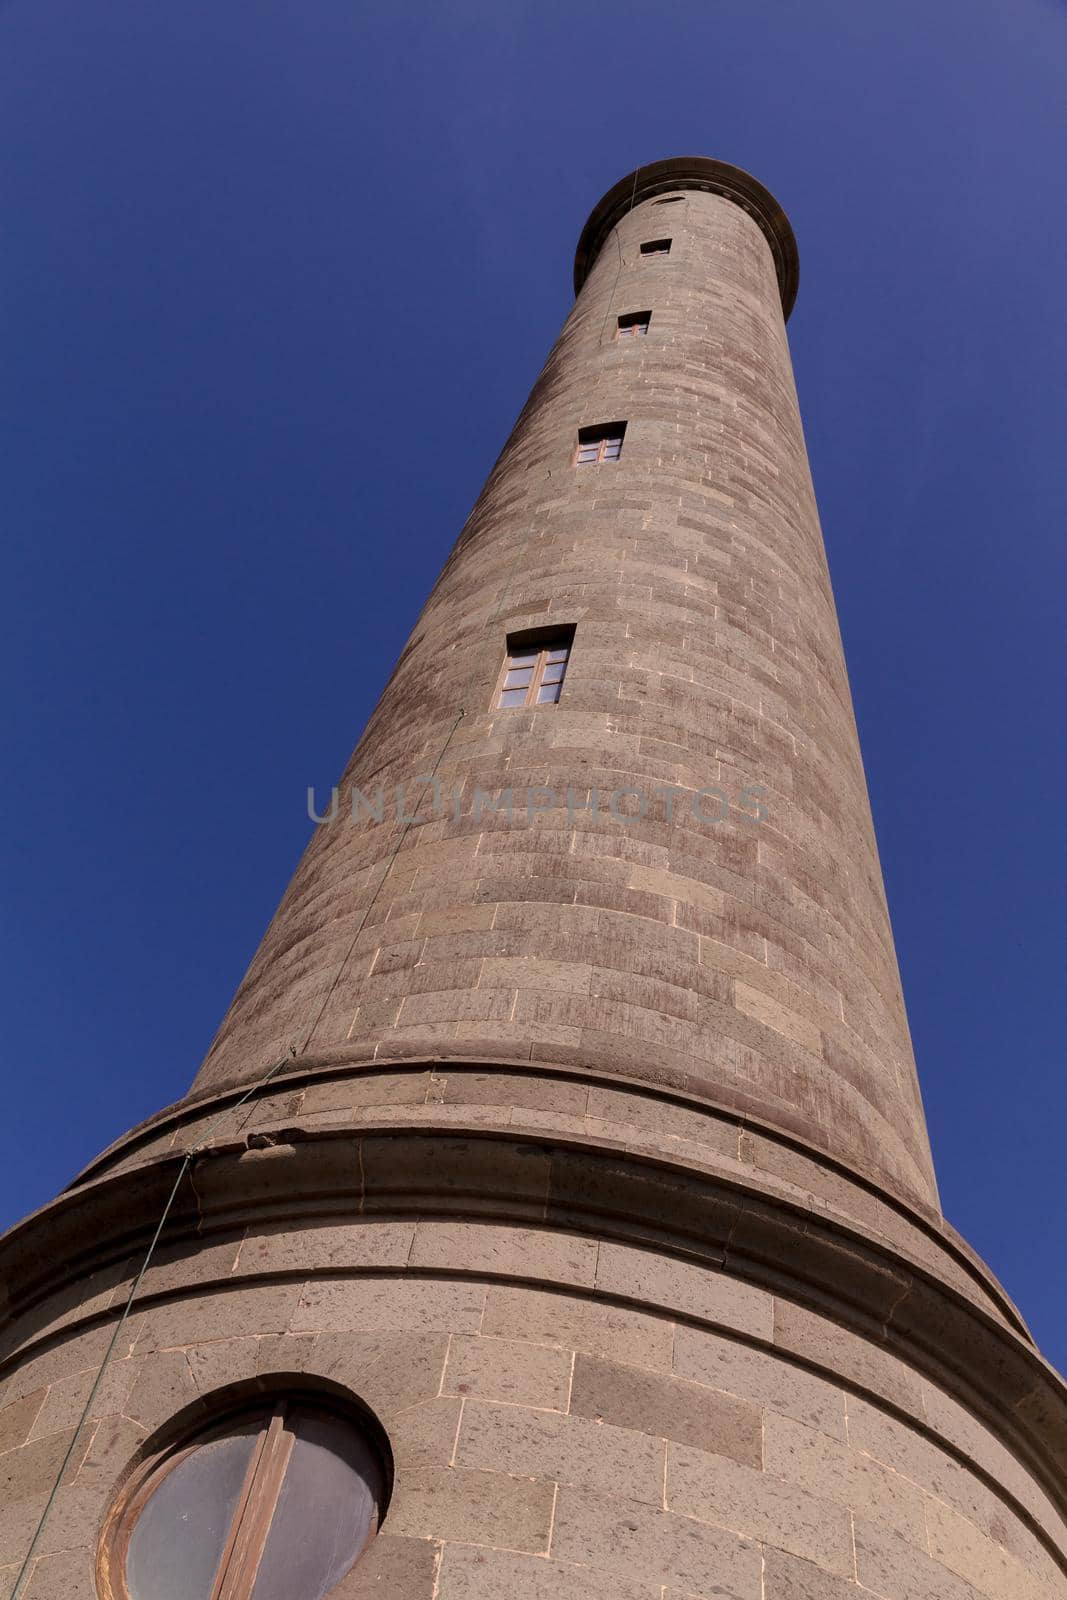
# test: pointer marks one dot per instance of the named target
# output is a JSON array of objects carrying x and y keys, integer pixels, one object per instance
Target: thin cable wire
[
  {"x": 187, "y": 1162},
  {"x": 272, "y": 1071},
  {"x": 254, "y": 1089}
]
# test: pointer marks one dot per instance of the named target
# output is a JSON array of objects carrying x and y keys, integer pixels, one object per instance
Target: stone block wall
[
  {"x": 749, "y": 961},
  {"x": 568, "y": 1418},
  {"x": 595, "y": 1165}
]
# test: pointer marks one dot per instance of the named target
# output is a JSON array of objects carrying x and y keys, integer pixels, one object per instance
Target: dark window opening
[
  {"x": 633, "y": 324},
  {"x": 669, "y": 200},
  {"x": 534, "y": 670},
  {"x": 600, "y": 443},
  {"x": 656, "y": 247}
]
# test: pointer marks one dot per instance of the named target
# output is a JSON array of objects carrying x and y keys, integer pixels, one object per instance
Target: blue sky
[{"x": 276, "y": 280}]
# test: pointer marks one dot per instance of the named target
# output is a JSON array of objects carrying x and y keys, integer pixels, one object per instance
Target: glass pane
[
  {"x": 588, "y": 452},
  {"x": 612, "y": 449},
  {"x": 327, "y": 1511},
  {"x": 177, "y": 1542},
  {"x": 553, "y": 672},
  {"x": 518, "y": 678},
  {"x": 559, "y": 654},
  {"x": 526, "y": 659},
  {"x": 513, "y": 697},
  {"x": 548, "y": 693}
]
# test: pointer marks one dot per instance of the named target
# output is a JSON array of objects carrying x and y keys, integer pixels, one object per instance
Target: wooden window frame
[
  {"x": 600, "y": 434},
  {"x": 256, "y": 1504},
  {"x": 544, "y": 648},
  {"x": 633, "y": 324}
]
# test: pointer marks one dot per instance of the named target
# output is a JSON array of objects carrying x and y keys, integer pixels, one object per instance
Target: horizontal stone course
[
  {"x": 595, "y": 1111},
  {"x": 20, "y": 1417},
  {"x": 897, "y": 1570},
  {"x": 789, "y": 1577},
  {"x": 388, "y": 1303},
  {"x": 667, "y": 1408},
  {"x": 958, "y": 1544},
  {"x": 573, "y": 1450},
  {"x": 393, "y": 1568},
  {"x": 511, "y": 1371},
  {"x": 701, "y": 548},
  {"x": 683, "y": 1286},
  {"x": 626, "y": 1539},
  {"x": 470, "y": 1572},
  {"x": 579, "y": 1324},
  {"x": 757, "y": 1376},
  {"x": 849, "y": 1477},
  {"x": 473, "y": 1507},
  {"x": 519, "y": 1252},
  {"x": 761, "y": 1505}
]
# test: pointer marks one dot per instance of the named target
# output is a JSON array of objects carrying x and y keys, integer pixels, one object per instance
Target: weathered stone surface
[
  {"x": 823, "y": 1343},
  {"x": 424, "y": 1435},
  {"x": 29, "y": 1473},
  {"x": 18, "y": 1418},
  {"x": 392, "y": 1569},
  {"x": 367, "y": 1304},
  {"x": 602, "y": 1178},
  {"x": 683, "y": 1286},
  {"x": 625, "y": 1538},
  {"x": 898, "y": 1570},
  {"x": 956, "y": 1543},
  {"x": 473, "y": 1507},
  {"x": 590, "y": 1325},
  {"x": 849, "y": 1477},
  {"x": 700, "y": 547},
  {"x": 518, "y": 1373},
  {"x": 752, "y": 1374},
  {"x": 787, "y": 1577},
  {"x": 667, "y": 1408},
  {"x": 68, "y": 1575},
  {"x": 571, "y": 1450},
  {"x": 366, "y": 1244},
  {"x": 760, "y": 1505},
  {"x": 517, "y": 1252},
  {"x": 194, "y": 1319},
  {"x": 471, "y": 1572}
]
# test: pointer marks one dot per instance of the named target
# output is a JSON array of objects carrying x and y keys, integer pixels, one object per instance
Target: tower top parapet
[{"x": 694, "y": 172}]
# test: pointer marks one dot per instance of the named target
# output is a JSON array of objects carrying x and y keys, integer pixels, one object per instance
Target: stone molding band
[
  {"x": 334, "y": 1066},
  {"x": 666, "y": 1208},
  {"x": 714, "y": 177}
]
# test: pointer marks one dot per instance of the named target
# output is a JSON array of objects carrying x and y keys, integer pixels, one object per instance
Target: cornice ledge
[
  {"x": 579, "y": 1185},
  {"x": 714, "y": 177},
  {"x": 333, "y": 1065}
]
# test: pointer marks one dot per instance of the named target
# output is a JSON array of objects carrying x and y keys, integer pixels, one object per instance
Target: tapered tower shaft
[
  {"x": 553, "y": 1215},
  {"x": 670, "y": 936}
]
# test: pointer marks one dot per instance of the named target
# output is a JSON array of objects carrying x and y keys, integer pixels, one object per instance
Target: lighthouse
[{"x": 553, "y": 1215}]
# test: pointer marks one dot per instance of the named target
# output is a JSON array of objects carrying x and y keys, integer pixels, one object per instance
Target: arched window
[{"x": 272, "y": 1504}]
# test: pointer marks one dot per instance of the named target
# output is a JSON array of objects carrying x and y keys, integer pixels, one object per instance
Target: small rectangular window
[
  {"x": 634, "y": 324},
  {"x": 533, "y": 672},
  {"x": 656, "y": 247},
  {"x": 600, "y": 443}
]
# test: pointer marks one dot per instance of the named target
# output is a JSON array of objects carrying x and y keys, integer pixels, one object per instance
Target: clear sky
[{"x": 276, "y": 278}]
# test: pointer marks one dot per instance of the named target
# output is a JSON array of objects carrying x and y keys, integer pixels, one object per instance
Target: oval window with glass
[{"x": 274, "y": 1504}]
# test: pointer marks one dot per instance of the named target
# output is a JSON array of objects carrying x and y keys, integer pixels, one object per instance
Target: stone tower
[{"x": 564, "y": 1135}]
